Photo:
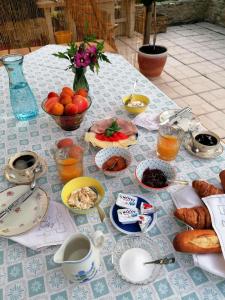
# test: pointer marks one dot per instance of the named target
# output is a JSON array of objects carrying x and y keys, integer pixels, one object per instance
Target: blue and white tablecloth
[{"x": 27, "y": 274}]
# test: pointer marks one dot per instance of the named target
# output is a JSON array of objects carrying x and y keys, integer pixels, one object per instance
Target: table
[{"x": 27, "y": 274}]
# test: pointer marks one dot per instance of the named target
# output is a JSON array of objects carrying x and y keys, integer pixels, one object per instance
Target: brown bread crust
[
  {"x": 222, "y": 179},
  {"x": 197, "y": 241},
  {"x": 197, "y": 217},
  {"x": 205, "y": 189}
]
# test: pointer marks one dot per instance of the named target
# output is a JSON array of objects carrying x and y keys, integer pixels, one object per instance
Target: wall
[
  {"x": 216, "y": 12},
  {"x": 184, "y": 11}
]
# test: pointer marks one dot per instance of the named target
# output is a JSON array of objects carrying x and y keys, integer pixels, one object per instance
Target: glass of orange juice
[
  {"x": 69, "y": 161},
  {"x": 169, "y": 141}
]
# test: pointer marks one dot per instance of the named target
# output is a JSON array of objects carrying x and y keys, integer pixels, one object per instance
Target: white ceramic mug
[{"x": 80, "y": 257}]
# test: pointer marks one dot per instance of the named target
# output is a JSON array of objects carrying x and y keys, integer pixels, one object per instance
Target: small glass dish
[{"x": 129, "y": 255}]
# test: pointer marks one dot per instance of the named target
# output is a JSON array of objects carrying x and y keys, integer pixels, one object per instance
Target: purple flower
[
  {"x": 92, "y": 50},
  {"x": 81, "y": 59}
]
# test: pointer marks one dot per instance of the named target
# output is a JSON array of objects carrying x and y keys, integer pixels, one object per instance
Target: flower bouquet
[{"x": 87, "y": 54}]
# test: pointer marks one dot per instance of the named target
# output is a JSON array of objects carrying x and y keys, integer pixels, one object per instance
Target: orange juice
[
  {"x": 69, "y": 168},
  {"x": 168, "y": 147}
]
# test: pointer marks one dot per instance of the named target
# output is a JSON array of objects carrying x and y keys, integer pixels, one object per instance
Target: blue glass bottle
[{"x": 22, "y": 99}]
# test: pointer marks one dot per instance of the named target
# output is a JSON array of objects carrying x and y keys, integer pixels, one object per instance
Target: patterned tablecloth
[{"x": 27, "y": 274}]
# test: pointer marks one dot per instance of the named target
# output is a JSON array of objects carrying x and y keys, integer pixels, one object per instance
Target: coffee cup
[
  {"x": 22, "y": 164},
  {"x": 206, "y": 141}
]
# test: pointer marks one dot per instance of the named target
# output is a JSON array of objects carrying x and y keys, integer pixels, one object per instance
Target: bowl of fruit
[{"x": 67, "y": 108}]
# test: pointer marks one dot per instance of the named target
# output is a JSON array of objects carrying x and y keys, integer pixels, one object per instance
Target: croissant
[
  {"x": 197, "y": 217},
  {"x": 222, "y": 179},
  {"x": 205, "y": 189}
]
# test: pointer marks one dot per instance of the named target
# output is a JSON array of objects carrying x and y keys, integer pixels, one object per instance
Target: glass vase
[
  {"x": 80, "y": 81},
  {"x": 22, "y": 99}
]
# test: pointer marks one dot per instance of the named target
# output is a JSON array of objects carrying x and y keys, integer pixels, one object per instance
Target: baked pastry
[
  {"x": 197, "y": 217},
  {"x": 222, "y": 179},
  {"x": 205, "y": 189},
  {"x": 197, "y": 241}
]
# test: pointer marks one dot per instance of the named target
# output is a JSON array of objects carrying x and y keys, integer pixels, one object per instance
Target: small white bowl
[
  {"x": 104, "y": 154},
  {"x": 165, "y": 167}
]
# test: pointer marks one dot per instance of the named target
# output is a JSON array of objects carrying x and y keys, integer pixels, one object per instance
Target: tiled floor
[{"x": 195, "y": 70}]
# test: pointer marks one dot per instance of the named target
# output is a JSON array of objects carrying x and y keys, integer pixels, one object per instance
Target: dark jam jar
[
  {"x": 206, "y": 139},
  {"x": 154, "y": 178}
]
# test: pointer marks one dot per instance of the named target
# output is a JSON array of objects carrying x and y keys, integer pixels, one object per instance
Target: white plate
[{"x": 27, "y": 215}]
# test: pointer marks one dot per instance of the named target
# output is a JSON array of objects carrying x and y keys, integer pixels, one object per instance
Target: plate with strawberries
[
  {"x": 112, "y": 132},
  {"x": 67, "y": 108}
]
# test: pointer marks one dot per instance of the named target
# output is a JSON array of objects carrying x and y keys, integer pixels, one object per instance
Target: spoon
[
  {"x": 33, "y": 182},
  {"x": 184, "y": 182},
  {"x": 161, "y": 261},
  {"x": 101, "y": 212},
  {"x": 132, "y": 94}
]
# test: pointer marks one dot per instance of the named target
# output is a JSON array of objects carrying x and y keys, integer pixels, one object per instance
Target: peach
[
  {"x": 68, "y": 91},
  {"x": 57, "y": 109},
  {"x": 50, "y": 102},
  {"x": 65, "y": 99},
  {"x": 82, "y": 92},
  {"x": 81, "y": 102},
  {"x": 67, "y": 142},
  {"x": 70, "y": 109},
  {"x": 52, "y": 94},
  {"x": 76, "y": 152}
]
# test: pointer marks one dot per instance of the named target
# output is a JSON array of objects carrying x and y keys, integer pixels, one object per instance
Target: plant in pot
[
  {"x": 151, "y": 58},
  {"x": 62, "y": 36}
]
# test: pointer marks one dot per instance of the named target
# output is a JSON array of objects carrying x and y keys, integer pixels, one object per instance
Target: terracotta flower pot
[
  {"x": 152, "y": 61},
  {"x": 63, "y": 37}
]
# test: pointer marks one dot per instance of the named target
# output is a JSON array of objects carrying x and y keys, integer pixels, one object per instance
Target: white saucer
[
  {"x": 205, "y": 155},
  {"x": 24, "y": 179},
  {"x": 25, "y": 216}
]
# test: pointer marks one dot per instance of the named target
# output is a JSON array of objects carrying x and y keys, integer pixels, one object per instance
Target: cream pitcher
[{"x": 79, "y": 256}]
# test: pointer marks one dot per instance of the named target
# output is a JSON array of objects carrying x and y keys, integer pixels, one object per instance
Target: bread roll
[
  {"x": 197, "y": 217},
  {"x": 197, "y": 241},
  {"x": 222, "y": 179},
  {"x": 205, "y": 189}
]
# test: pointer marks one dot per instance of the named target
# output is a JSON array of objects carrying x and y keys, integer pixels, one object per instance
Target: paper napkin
[
  {"x": 147, "y": 120},
  {"x": 56, "y": 226},
  {"x": 186, "y": 197},
  {"x": 216, "y": 207}
]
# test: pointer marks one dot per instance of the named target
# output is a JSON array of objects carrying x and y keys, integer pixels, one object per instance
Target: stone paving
[{"x": 195, "y": 70}]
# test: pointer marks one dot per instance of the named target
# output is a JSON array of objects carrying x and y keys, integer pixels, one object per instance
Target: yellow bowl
[
  {"x": 78, "y": 183},
  {"x": 136, "y": 110}
]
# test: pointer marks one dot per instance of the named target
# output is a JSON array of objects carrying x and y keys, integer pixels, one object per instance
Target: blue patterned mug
[{"x": 80, "y": 257}]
